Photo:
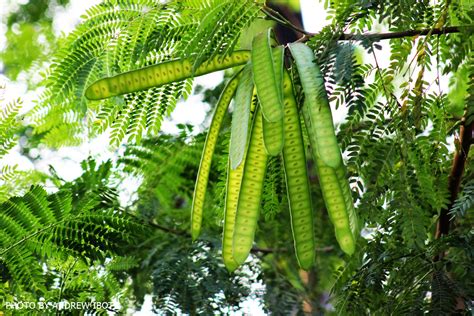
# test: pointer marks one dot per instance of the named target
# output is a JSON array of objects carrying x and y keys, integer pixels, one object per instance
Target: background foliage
[{"x": 77, "y": 241}]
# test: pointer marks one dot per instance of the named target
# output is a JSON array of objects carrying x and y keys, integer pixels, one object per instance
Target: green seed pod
[
  {"x": 207, "y": 153},
  {"x": 273, "y": 132},
  {"x": 317, "y": 105},
  {"x": 299, "y": 199},
  {"x": 335, "y": 195},
  {"x": 251, "y": 189},
  {"x": 265, "y": 79},
  {"x": 240, "y": 117},
  {"x": 234, "y": 180},
  {"x": 234, "y": 177},
  {"x": 162, "y": 73}
]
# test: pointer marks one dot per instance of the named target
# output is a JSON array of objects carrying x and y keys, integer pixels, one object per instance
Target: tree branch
[
  {"x": 408, "y": 33},
  {"x": 455, "y": 176},
  {"x": 392, "y": 35}
]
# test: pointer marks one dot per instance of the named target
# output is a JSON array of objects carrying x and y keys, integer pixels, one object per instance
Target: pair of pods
[
  {"x": 326, "y": 152},
  {"x": 248, "y": 155}
]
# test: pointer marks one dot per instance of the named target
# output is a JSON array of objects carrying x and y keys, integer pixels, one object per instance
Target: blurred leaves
[{"x": 29, "y": 36}]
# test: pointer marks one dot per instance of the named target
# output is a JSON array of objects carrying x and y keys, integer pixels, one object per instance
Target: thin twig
[
  {"x": 253, "y": 250},
  {"x": 169, "y": 230},
  {"x": 275, "y": 250},
  {"x": 277, "y": 17},
  {"x": 63, "y": 282}
]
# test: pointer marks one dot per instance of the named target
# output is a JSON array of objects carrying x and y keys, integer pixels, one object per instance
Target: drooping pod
[
  {"x": 317, "y": 105},
  {"x": 336, "y": 205},
  {"x": 240, "y": 117},
  {"x": 207, "y": 153},
  {"x": 296, "y": 176},
  {"x": 346, "y": 191},
  {"x": 248, "y": 206},
  {"x": 335, "y": 195},
  {"x": 273, "y": 131},
  {"x": 160, "y": 74},
  {"x": 234, "y": 181},
  {"x": 269, "y": 94}
]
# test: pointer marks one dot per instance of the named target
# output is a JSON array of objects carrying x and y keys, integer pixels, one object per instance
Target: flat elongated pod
[
  {"x": 294, "y": 160},
  {"x": 248, "y": 206},
  {"x": 264, "y": 77},
  {"x": 273, "y": 132},
  {"x": 160, "y": 74},
  {"x": 317, "y": 104},
  {"x": 334, "y": 195},
  {"x": 336, "y": 205},
  {"x": 278, "y": 61},
  {"x": 207, "y": 153},
  {"x": 273, "y": 137},
  {"x": 346, "y": 190},
  {"x": 240, "y": 117},
  {"x": 234, "y": 181}
]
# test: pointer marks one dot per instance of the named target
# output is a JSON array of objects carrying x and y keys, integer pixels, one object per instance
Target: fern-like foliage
[
  {"x": 12, "y": 180},
  {"x": 193, "y": 280},
  {"x": 167, "y": 166},
  {"x": 8, "y": 125},
  {"x": 81, "y": 219},
  {"x": 418, "y": 284},
  {"x": 121, "y": 35},
  {"x": 465, "y": 201}
]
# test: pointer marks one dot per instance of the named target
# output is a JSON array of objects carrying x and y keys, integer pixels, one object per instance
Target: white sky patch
[
  {"x": 66, "y": 19},
  {"x": 193, "y": 110},
  {"x": 314, "y": 15}
]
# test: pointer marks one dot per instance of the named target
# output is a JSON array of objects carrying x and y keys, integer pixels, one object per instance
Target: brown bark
[
  {"x": 454, "y": 181},
  {"x": 455, "y": 176},
  {"x": 283, "y": 34}
]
